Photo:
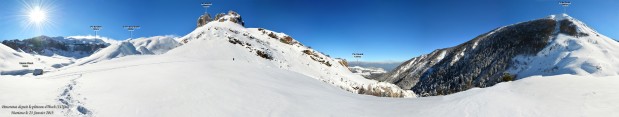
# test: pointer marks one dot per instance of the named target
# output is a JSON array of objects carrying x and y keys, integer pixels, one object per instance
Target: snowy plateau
[{"x": 224, "y": 69}]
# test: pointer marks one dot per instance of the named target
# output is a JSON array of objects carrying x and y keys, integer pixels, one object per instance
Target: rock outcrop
[
  {"x": 204, "y": 19},
  {"x": 231, "y": 16}
]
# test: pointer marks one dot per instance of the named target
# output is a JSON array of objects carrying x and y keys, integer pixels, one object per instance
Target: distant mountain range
[
  {"x": 51, "y": 53},
  {"x": 49, "y": 46},
  {"x": 388, "y": 66}
]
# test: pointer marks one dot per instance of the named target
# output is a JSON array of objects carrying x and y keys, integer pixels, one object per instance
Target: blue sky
[{"x": 384, "y": 30}]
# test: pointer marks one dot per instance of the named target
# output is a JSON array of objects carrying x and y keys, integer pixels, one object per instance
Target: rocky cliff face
[
  {"x": 504, "y": 54},
  {"x": 203, "y": 19},
  {"x": 231, "y": 16}
]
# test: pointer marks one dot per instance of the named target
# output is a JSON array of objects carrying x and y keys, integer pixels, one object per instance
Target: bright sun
[{"x": 37, "y": 15}]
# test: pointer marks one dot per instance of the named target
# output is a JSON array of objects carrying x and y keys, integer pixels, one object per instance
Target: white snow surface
[
  {"x": 10, "y": 61},
  {"x": 117, "y": 50},
  {"x": 156, "y": 44},
  {"x": 144, "y": 50},
  {"x": 210, "y": 76},
  {"x": 214, "y": 41},
  {"x": 579, "y": 55},
  {"x": 165, "y": 86}
]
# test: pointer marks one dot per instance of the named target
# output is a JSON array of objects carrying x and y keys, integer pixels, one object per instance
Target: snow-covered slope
[
  {"x": 558, "y": 44},
  {"x": 578, "y": 50},
  {"x": 226, "y": 70},
  {"x": 84, "y": 48},
  {"x": 156, "y": 44},
  {"x": 117, "y": 50},
  {"x": 11, "y": 62},
  {"x": 10, "y": 59},
  {"x": 227, "y": 40},
  {"x": 144, "y": 50},
  {"x": 139, "y": 86}
]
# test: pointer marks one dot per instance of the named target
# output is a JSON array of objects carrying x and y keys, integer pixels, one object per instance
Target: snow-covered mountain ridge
[
  {"x": 558, "y": 44},
  {"x": 73, "y": 47},
  {"x": 228, "y": 40},
  {"x": 225, "y": 38},
  {"x": 221, "y": 74},
  {"x": 155, "y": 44},
  {"x": 85, "y": 49},
  {"x": 117, "y": 50},
  {"x": 19, "y": 63},
  {"x": 577, "y": 49}
]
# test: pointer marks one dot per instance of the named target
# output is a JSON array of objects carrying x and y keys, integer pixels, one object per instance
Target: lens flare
[{"x": 37, "y": 15}]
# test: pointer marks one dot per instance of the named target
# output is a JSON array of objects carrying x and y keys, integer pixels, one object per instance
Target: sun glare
[{"x": 37, "y": 15}]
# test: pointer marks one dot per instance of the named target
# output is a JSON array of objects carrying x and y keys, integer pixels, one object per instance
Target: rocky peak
[
  {"x": 231, "y": 16},
  {"x": 203, "y": 19},
  {"x": 222, "y": 17}
]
